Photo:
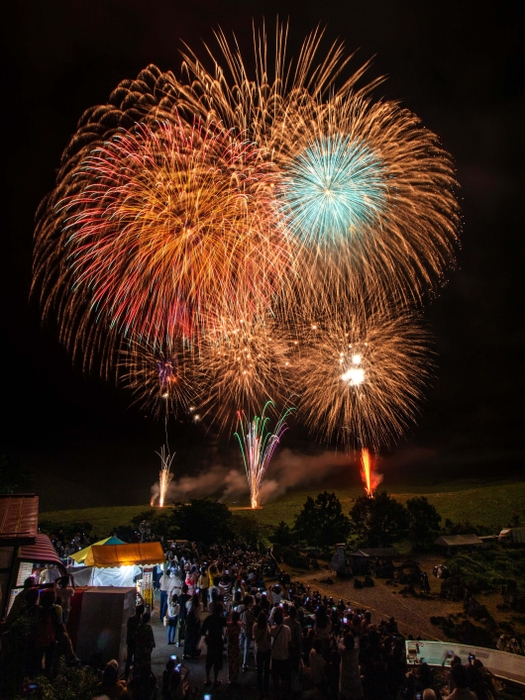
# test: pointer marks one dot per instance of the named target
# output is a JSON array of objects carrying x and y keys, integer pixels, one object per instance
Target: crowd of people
[
  {"x": 294, "y": 637},
  {"x": 221, "y": 613}
]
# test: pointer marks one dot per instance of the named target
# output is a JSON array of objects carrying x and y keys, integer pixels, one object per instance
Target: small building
[
  {"x": 454, "y": 541},
  {"x": 512, "y": 535},
  {"x": 23, "y": 550},
  {"x": 362, "y": 560}
]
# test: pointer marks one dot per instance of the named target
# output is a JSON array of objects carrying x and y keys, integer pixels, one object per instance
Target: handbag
[{"x": 165, "y": 621}]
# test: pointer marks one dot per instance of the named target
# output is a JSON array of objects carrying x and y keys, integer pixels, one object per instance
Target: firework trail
[
  {"x": 165, "y": 474},
  {"x": 258, "y": 445}
]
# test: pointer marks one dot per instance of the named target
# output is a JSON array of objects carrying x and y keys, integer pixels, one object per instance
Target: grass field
[{"x": 491, "y": 505}]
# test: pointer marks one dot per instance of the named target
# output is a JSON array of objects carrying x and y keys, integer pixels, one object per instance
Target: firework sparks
[
  {"x": 371, "y": 479},
  {"x": 243, "y": 362},
  {"x": 258, "y": 445},
  {"x": 165, "y": 474},
  {"x": 363, "y": 377},
  {"x": 173, "y": 228}
]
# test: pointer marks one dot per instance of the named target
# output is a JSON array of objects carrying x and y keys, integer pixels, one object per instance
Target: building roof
[
  {"x": 125, "y": 554},
  {"x": 18, "y": 519},
  {"x": 41, "y": 551},
  {"x": 378, "y": 552},
  {"x": 458, "y": 540}
]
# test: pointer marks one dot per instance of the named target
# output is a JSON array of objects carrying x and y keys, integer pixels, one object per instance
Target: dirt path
[{"x": 412, "y": 614}]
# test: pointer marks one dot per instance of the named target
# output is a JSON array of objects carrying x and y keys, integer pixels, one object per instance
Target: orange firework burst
[
  {"x": 173, "y": 228},
  {"x": 161, "y": 378},
  {"x": 362, "y": 377},
  {"x": 244, "y": 362},
  {"x": 367, "y": 192}
]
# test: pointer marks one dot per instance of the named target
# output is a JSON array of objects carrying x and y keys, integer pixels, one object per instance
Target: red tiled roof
[
  {"x": 18, "y": 518},
  {"x": 42, "y": 551}
]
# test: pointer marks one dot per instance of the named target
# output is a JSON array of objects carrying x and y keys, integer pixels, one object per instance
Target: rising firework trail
[
  {"x": 258, "y": 444},
  {"x": 165, "y": 473},
  {"x": 371, "y": 478}
]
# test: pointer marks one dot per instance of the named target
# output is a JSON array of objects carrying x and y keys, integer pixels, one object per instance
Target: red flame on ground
[{"x": 371, "y": 478}]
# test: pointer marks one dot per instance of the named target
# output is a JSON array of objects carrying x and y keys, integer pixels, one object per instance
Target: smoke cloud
[{"x": 288, "y": 470}]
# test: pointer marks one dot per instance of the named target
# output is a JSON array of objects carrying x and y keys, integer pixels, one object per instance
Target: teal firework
[{"x": 333, "y": 189}]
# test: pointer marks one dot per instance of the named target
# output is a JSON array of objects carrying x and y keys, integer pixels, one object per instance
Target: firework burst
[
  {"x": 242, "y": 363},
  {"x": 173, "y": 228},
  {"x": 258, "y": 444},
  {"x": 363, "y": 377}
]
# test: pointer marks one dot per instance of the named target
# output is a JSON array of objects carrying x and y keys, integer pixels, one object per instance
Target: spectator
[
  {"x": 144, "y": 645},
  {"x": 172, "y": 613},
  {"x": 262, "y": 639},
  {"x": 281, "y": 637},
  {"x": 233, "y": 631},
  {"x": 349, "y": 677},
  {"x": 132, "y": 624},
  {"x": 213, "y": 629},
  {"x": 193, "y": 628},
  {"x": 458, "y": 675},
  {"x": 64, "y": 593}
]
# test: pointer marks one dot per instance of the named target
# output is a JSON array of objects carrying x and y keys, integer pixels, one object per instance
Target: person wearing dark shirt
[{"x": 213, "y": 628}]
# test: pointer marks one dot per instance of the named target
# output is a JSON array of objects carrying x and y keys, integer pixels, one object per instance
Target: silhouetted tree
[
  {"x": 423, "y": 522},
  {"x": 379, "y": 521},
  {"x": 321, "y": 522},
  {"x": 282, "y": 536},
  {"x": 204, "y": 520}
]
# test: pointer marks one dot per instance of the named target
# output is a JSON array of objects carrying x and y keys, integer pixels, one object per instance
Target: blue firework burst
[{"x": 333, "y": 188}]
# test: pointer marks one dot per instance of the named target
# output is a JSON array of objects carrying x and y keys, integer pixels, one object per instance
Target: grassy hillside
[{"x": 490, "y": 505}]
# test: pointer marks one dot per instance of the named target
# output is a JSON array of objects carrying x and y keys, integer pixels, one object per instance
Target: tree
[
  {"x": 203, "y": 520},
  {"x": 378, "y": 521},
  {"x": 282, "y": 536},
  {"x": 246, "y": 529},
  {"x": 423, "y": 522},
  {"x": 322, "y": 522}
]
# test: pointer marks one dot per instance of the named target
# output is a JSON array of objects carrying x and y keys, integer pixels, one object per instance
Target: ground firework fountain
[
  {"x": 165, "y": 474},
  {"x": 258, "y": 445}
]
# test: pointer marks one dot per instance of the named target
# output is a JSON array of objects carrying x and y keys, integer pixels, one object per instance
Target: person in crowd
[
  {"x": 247, "y": 620},
  {"x": 64, "y": 592},
  {"x": 193, "y": 628},
  {"x": 132, "y": 624},
  {"x": 203, "y": 585},
  {"x": 459, "y": 676},
  {"x": 317, "y": 665},
  {"x": 262, "y": 639},
  {"x": 20, "y": 600},
  {"x": 373, "y": 666},
  {"x": 172, "y": 613},
  {"x": 182, "y": 599},
  {"x": 110, "y": 686},
  {"x": 290, "y": 620},
  {"x": 280, "y": 656},
  {"x": 233, "y": 631},
  {"x": 349, "y": 676},
  {"x": 144, "y": 645},
  {"x": 165, "y": 586},
  {"x": 213, "y": 629},
  {"x": 46, "y": 632},
  {"x": 143, "y": 686}
]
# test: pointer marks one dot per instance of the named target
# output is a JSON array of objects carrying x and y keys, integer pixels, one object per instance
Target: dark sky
[{"x": 458, "y": 65}]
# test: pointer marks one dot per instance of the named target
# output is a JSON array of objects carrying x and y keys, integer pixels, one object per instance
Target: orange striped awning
[{"x": 125, "y": 554}]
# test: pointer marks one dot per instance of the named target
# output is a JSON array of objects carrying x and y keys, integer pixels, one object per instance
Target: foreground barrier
[{"x": 502, "y": 664}]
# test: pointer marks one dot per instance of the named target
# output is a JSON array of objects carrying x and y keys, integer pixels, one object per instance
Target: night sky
[{"x": 458, "y": 65}]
